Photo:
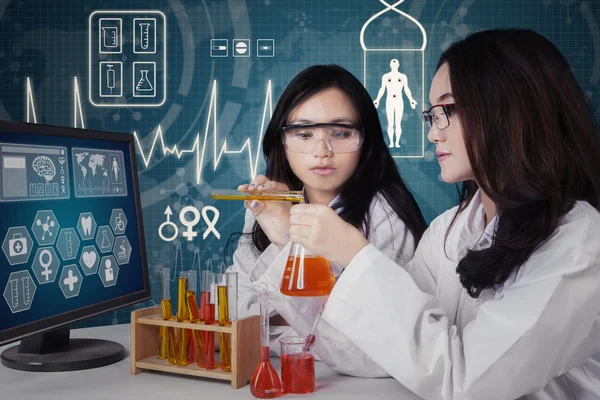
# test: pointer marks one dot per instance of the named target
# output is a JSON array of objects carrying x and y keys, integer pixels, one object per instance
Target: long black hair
[
  {"x": 532, "y": 142},
  {"x": 376, "y": 173}
]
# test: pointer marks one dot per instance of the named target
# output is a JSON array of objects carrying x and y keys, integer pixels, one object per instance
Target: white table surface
[{"x": 115, "y": 381}]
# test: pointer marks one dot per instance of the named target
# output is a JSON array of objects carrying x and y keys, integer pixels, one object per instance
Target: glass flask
[
  {"x": 306, "y": 274},
  {"x": 144, "y": 84},
  {"x": 265, "y": 383}
]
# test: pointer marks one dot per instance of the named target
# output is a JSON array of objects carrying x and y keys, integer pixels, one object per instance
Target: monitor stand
[{"x": 55, "y": 351}]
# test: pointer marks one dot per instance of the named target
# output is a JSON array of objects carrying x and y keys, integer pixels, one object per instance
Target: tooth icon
[{"x": 86, "y": 224}]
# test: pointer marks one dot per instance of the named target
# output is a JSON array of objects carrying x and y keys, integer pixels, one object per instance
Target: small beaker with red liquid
[{"x": 297, "y": 365}]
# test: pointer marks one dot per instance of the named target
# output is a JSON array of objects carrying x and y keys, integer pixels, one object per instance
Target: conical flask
[
  {"x": 306, "y": 274},
  {"x": 265, "y": 383}
]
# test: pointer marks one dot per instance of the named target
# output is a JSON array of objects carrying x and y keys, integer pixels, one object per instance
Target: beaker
[
  {"x": 297, "y": 366},
  {"x": 109, "y": 36},
  {"x": 306, "y": 274},
  {"x": 144, "y": 84}
]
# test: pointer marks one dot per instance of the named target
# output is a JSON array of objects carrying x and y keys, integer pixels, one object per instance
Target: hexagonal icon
[
  {"x": 89, "y": 260},
  {"x": 86, "y": 226},
  {"x": 19, "y": 291},
  {"x": 45, "y": 265},
  {"x": 45, "y": 227},
  {"x": 68, "y": 244},
  {"x": 118, "y": 221},
  {"x": 70, "y": 281},
  {"x": 17, "y": 245},
  {"x": 122, "y": 250},
  {"x": 105, "y": 239},
  {"x": 108, "y": 271}
]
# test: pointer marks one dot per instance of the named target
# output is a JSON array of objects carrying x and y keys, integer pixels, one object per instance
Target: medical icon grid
[
  {"x": 86, "y": 251},
  {"x": 127, "y": 58}
]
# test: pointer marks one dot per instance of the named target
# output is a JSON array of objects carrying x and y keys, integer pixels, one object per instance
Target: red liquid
[
  {"x": 265, "y": 383},
  {"x": 298, "y": 373},
  {"x": 203, "y": 296},
  {"x": 209, "y": 341},
  {"x": 318, "y": 279}
]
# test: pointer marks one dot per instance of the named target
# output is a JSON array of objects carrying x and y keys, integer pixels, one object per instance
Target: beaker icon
[
  {"x": 306, "y": 274},
  {"x": 144, "y": 84},
  {"x": 109, "y": 37},
  {"x": 394, "y": 71}
]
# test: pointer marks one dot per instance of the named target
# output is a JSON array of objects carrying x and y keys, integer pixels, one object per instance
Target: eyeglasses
[
  {"x": 304, "y": 138},
  {"x": 439, "y": 115}
]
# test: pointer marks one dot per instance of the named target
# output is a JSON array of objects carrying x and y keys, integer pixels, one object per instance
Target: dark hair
[
  {"x": 376, "y": 171},
  {"x": 531, "y": 139}
]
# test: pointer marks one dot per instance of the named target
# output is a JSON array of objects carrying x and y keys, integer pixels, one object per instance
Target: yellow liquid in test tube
[
  {"x": 225, "y": 338},
  {"x": 288, "y": 195},
  {"x": 182, "y": 316},
  {"x": 167, "y": 342}
]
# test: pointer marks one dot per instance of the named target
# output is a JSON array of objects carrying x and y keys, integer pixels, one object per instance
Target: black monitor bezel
[{"x": 39, "y": 326}]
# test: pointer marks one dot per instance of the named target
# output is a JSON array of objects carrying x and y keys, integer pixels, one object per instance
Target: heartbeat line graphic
[{"x": 199, "y": 146}]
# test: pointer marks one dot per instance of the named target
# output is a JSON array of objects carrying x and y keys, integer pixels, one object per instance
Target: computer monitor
[{"x": 72, "y": 242}]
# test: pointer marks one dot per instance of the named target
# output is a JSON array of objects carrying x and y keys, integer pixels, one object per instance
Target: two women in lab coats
[
  {"x": 324, "y": 138},
  {"x": 502, "y": 297}
]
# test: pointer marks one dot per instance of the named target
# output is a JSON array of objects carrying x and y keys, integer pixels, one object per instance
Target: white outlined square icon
[
  {"x": 219, "y": 47},
  {"x": 144, "y": 79},
  {"x": 241, "y": 47},
  {"x": 144, "y": 35},
  {"x": 111, "y": 79},
  {"x": 110, "y": 36},
  {"x": 265, "y": 47}
]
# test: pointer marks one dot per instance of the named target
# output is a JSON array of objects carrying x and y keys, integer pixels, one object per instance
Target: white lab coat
[
  {"x": 388, "y": 234},
  {"x": 537, "y": 336}
]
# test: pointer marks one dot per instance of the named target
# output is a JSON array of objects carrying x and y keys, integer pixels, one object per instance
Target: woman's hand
[
  {"x": 322, "y": 231},
  {"x": 272, "y": 216}
]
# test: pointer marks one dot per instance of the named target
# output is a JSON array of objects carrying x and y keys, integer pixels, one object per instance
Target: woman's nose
[
  {"x": 322, "y": 148},
  {"x": 435, "y": 134}
]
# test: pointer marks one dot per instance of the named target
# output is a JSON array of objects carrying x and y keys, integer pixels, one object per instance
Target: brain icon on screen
[{"x": 44, "y": 167}]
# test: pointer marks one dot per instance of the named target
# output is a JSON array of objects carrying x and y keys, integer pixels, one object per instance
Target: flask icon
[
  {"x": 393, "y": 44},
  {"x": 144, "y": 79}
]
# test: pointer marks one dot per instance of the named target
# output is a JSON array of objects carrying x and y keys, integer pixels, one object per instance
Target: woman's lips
[{"x": 323, "y": 170}]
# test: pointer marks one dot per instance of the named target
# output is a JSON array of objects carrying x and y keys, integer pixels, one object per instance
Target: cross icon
[
  {"x": 46, "y": 272},
  {"x": 18, "y": 247},
  {"x": 71, "y": 280}
]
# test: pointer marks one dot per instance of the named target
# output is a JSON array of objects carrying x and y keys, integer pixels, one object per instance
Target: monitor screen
[{"x": 71, "y": 229}]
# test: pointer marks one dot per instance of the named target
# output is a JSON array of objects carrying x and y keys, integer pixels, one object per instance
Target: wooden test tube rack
[{"x": 245, "y": 346}]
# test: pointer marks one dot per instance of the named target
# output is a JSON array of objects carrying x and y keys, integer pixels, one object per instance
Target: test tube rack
[{"x": 245, "y": 346}]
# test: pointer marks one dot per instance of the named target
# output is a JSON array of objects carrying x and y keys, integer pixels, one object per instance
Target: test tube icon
[{"x": 145, "y": 35}]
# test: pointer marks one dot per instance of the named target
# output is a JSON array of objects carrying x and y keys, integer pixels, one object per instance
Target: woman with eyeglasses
[
  {"x": 324, "y": 138},
  {"x": 502, "y": 297}
]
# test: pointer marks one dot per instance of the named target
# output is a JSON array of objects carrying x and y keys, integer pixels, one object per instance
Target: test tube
[
  {"x": 209, "y": 319},
  {"x": 166, "y": 340},
  {"x": 227, "y": 313},
  {"x": 203, "y": 334},
  {"x": 192, "y": 303},
  {"x": 182, "y": 316}
]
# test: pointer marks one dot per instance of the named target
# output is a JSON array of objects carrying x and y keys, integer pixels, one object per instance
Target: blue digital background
[
  {"x": 49, "y": 299},
  {"x": 48, "y": 43}
]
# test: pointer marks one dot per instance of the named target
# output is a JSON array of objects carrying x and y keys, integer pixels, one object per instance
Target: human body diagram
[{"x": 394, "y": 82}]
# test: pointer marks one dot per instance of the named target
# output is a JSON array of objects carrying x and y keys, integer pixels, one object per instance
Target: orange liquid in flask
[{"x": 307, "y": 276}]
